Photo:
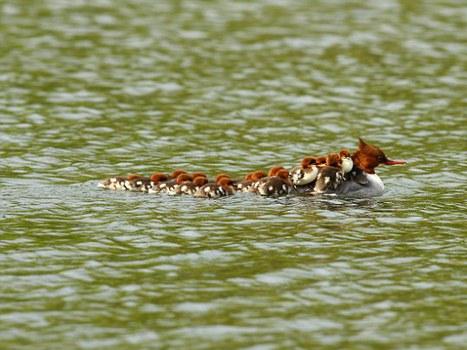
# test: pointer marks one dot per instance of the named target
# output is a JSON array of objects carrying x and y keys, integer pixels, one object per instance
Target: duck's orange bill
[{"x": 394, "y": 162}]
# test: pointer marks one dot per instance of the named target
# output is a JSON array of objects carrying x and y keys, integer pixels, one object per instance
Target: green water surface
[{"x": 90, "y": 89}]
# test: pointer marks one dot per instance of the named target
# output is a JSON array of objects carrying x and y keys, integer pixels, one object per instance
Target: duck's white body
[{"x": 367, "y": 185}]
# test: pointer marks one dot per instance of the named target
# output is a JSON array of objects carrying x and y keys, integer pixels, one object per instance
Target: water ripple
[{"x": 92, "y": 90}]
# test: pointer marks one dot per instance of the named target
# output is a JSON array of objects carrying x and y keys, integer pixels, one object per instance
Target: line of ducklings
[{"x": 314, "y": 175}]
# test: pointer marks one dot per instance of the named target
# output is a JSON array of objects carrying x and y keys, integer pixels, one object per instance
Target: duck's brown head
[
  {"x": 222, "y": 176},
  {"x": 344, "y": 153},
  {"x": 308, "y": 161},
  {"x": 274, "y": 170},
  {"x": 177, "y": 172},
  {"x": 132, "y": 177},
  {"x": 200, "y": 181},
  {"x": 158, "y": 177},
  {"x": 183, "y": 178},
  {"x": 368, "y": 157},
  {"x": 321, "y": 160},
  {"x": 198, "y": 174},
  {"x": 225, "y": 182},
  {"x": 333, "y": 159},
  {"x": 259, "y": 174},
  {"x": 283, "y": 174}
]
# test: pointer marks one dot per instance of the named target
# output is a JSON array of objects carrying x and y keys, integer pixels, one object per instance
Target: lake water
[{"x": 90, "y": 89}]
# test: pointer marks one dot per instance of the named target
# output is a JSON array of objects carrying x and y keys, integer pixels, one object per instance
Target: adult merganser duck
[{"x": 363, "y": 181}]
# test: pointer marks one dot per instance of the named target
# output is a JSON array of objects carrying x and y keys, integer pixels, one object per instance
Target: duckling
[
  {"x": 321, "y": 160},
  {"x": 198, "y": 174},
  {"x": 163, "y": 186},
  {"x": 333, "y": 159},
  {"x": 222, "y": 188},
  {"x": 173, "y": 188},
  {"x": 121, "y": 183},
  {"x": 137, "y": 183},
  {"x": 305, "y": 173},
  {"x": 330, "y": 176},
  {"x": 346, "y": 162},
  {"x": 272, "y": 172},
  {"x": 275, "y": 185},
  {"x": 156, "y": 180},
  {"x": 113, "y": 183},
  {"x": 193, "y": 186},
  {"x": 250, "y": 179}
]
